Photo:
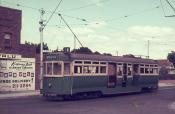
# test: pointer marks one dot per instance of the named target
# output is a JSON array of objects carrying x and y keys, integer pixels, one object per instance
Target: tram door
[
  {"x": 112, "y": 79},
  {"x": 124, "y": 80}
]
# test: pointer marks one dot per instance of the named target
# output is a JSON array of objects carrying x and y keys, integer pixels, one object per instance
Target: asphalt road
[{"x": 160, "y": 102}]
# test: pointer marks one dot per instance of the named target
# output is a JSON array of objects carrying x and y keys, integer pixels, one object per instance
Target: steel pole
[{"x": 41, "y": 22}]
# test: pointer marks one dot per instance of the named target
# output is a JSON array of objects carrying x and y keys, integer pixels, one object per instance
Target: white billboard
[{"x": 17, "y": 75}]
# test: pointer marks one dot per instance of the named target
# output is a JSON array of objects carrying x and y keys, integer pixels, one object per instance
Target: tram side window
[
  {"x": 93, "y": 69},
  {"x": 86, "y": 69},
  {"x": 146, "y": 70},
  {"x": 49, "y": 68},
  {"x": 78, "y": 69},
  {"x": 66, "y": 68},
  {"x": 119, "y": 71},
  {"x": 129, "y": 71},
  {"x": 102, "y": 69},
  {"x": 57, "y": 68},
  {"x": 142, "y": 70},
  {"x": 151, "y": 70},
  {"x": 155, "y": 70}
]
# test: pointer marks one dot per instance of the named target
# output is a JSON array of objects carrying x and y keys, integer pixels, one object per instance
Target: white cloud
[
  {"x": 133, "y": 41},
  {"x": 98, "y": 3}
]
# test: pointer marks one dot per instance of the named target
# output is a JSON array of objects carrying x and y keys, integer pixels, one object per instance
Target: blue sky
[{"x": 112, "y": 25}]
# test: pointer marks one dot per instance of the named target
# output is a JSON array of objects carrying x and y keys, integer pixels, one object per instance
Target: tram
[{"x": 69, "y": 74}]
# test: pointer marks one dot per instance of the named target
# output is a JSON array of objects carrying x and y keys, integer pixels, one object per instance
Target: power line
[
  {"x": 52, "y": 14},
  {"x": 163, "y": 9},
  {"x": 37, "y": 9},
  {"x": 137, "y": 13},
  {"x": 85, "y": 6},
  {"x": 170, "y": 5},
  {"x": 75, "y": 36}
]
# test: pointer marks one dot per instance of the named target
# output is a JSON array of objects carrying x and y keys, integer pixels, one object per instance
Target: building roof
[{"x": 164, "y": 63}]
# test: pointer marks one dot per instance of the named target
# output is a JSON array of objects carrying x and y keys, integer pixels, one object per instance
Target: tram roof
[
  {"x": 95, "y": 57},
  {"x": 111, "y": 58}
]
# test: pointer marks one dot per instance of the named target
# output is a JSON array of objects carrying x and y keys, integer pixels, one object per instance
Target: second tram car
[{"x": 70, "y": 74}]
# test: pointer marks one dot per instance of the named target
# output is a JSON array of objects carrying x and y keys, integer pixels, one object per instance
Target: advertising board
[{"x": 17, "y": 75}]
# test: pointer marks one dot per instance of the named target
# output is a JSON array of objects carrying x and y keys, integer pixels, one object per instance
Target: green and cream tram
[{"x": 69, "y": 74}]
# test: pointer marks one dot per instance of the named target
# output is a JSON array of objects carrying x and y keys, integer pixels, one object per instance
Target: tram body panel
[{"x": 105, "y": 77}]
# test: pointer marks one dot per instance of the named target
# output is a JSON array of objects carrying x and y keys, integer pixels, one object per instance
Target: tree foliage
[
  {"x": 171, "y": 57},
  {"x": 82, "y": 50},
  {"x": 129, "y": 55},
  {"x": 37, "y": 46}
]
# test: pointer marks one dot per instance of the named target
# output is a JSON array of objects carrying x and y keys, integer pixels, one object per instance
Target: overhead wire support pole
[
  {"x": 71, "y": 30},
  {"x": 42, "y": 26},
  {"x": 41, "y": 22},
  {"x": 148, "y": 49}
]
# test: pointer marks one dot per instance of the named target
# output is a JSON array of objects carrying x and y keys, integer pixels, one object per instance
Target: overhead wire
[
  {"x": 85, "y": 6},
  {"x": 137, "y": 13},
  {"x": 47, "y": 11},
  {"x": 162, "y": 8},
  {"x": 75, "y": 36},
  {"x": 52, "y": 14}
]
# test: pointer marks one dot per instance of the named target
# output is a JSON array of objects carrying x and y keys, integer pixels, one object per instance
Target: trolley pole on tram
[{"x": 41, "y": 22}]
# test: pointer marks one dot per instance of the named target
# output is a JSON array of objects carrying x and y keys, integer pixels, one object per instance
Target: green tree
[
  {"x": 82, "y": 50},
  {"x": 171, "y": 57},
  {"x": 129, "y": 56}
]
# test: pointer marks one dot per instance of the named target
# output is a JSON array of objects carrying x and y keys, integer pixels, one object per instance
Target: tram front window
[{"x": 56, "y": 68}]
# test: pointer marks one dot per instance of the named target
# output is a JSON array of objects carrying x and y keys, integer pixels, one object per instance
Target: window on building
[
  {"x": 66, "y": 68},
  {"x": 57, "y": 69},
  {"x": 49, "y": 68},
  {"x": 7, "y": 40}
]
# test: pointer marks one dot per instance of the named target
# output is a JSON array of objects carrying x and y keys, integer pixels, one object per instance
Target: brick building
[
  {"x": 10, "y": 37},
  {"x": 10, "y": 30}
]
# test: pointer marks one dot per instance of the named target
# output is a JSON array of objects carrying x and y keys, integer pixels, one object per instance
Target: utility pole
[
  {"x": 148, "y": 49},
  {"x": 117, "y": 53},
  {"x": 41, "y": 22},
  {"x": 74, "y": 43}
]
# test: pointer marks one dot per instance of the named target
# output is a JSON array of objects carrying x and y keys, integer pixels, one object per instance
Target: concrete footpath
[{"x": 8, "y": 95}]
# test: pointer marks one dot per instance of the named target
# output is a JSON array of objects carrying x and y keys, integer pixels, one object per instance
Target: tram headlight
[{"x": 50, "y": 85}]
